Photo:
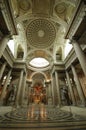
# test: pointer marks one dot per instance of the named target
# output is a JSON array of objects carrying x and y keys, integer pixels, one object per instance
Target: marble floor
[{"x": 39, "y": 116}]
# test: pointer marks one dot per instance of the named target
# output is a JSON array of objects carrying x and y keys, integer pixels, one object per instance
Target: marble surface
[{"x": 41, "y": 116}]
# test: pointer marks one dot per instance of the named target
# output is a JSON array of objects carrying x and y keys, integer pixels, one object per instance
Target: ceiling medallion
[{"x": 40, "y": 33}]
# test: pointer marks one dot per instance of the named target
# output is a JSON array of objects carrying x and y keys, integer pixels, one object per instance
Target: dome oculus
[{"x": 39, "y": 62}]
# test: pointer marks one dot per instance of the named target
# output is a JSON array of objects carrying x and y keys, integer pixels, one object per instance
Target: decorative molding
[{"x": 60, "y": 66}]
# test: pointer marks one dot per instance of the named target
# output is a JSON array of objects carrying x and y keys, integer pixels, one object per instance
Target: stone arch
[{"x": 34, "y": 73}]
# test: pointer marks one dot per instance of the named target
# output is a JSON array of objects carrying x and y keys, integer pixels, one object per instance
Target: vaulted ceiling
[{"x": 41, "y": 26}]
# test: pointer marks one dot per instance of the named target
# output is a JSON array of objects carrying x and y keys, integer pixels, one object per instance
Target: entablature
[
  {"x": 58, "y": 67},
  {"x": 71, "y": 58},
  {"x": 78, "y": 22},
  {"x": 8, "y": 17},
  {"x": 19, "y": 65}
]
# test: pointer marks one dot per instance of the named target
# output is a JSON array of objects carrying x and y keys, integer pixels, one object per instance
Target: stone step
[{"x": 54, "y": 125}]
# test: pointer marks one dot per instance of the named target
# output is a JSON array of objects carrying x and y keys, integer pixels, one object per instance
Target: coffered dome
[{"x": 40, "y": 33}]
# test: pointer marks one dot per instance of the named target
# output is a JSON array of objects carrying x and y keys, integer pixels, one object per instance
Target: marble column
[
  {"x": 17, "y": 102},
  {"x": 58, "y": 88},
  {"x": 49, "y": 89},
  {"x": 52, "y": 88},
  {"x": 47, "y": 92},
  {"x": 70, "y": 88},
  {"x": 80, "y": 54},
  {"x": 78, "y": 85},
  {"x": 49, "y": 86},
  {"x": 23, "y": 89},
  {"x": 3, "y": 44},
  {"x": 29, "y": 92},
  {"x": 5, "y": 85},
  {"x": 2, "y": 69}
]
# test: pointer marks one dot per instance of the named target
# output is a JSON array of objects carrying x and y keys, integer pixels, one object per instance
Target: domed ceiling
[
  {"x": 41, "y": 33},
  {"x": 43, "y": 24}
]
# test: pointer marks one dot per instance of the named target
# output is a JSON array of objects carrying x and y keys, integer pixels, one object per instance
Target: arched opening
[
  {"x": 38, "y": 89},
  {"x": 38, "y": 93}
]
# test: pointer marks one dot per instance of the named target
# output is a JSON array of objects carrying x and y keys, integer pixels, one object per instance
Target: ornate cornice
[
  {"x": 79, "y": 16},
  {"x": 7, "y": 14}
]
